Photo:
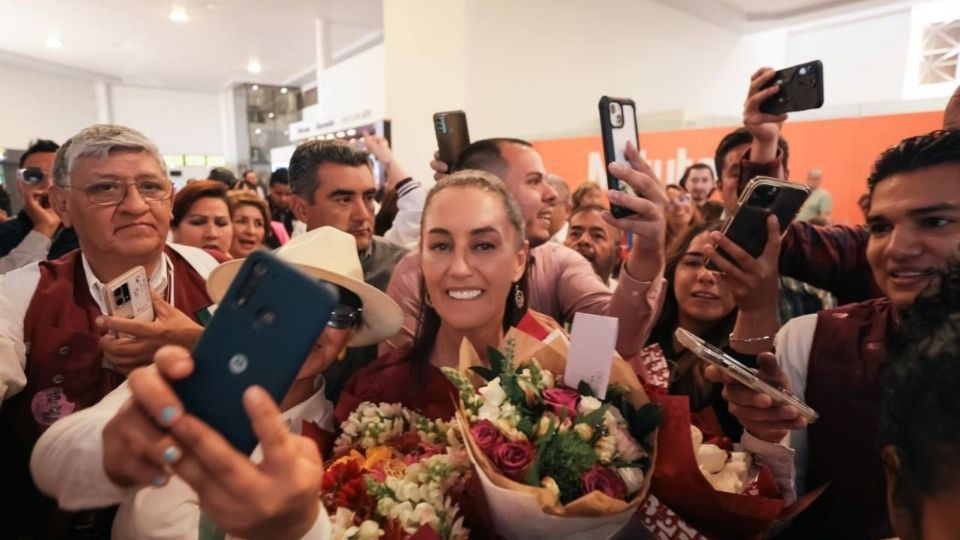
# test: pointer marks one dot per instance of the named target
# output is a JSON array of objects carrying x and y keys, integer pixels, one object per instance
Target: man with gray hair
[
  {"x": 111, "y": 186},
  {"x": 819, "y": 206}
]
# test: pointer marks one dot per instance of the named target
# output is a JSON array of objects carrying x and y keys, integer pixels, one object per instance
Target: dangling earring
[
  {"x": 518, "y": 297},
  {"x": 426, "y": 299}
]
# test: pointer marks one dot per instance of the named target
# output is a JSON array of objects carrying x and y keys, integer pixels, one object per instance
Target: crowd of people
[{"x": 94, "y": 440}]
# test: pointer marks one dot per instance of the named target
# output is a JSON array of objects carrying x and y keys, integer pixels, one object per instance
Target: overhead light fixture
[
  {"x": 54, "y": 43},
  {"x": 179, "y": 14},
  {"x": 271, "y": 115},
  {"x": 340, "y": 134},
  {"x": 211, "y": 5},
  {"x": 254, "y": 66},
  {"x": 257, "y": 131},
  {"x": 283, "y": 90},
  {"x": 255, "y": 87},
  {"x": 351, "y": 132},
  {"x": 330, "y": 136}
]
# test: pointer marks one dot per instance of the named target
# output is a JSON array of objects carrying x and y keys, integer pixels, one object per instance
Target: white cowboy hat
[{"x": 331, "y": 255}]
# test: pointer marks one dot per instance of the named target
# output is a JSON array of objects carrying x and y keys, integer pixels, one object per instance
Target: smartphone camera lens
[
  {"x": 259, "y": 269},
  {"x": 803, "y": 71}
]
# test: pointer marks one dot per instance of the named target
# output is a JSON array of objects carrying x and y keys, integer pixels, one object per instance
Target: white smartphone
[
  {"x": 128, "y": 296},
  {"x": 742, "y": 373}
]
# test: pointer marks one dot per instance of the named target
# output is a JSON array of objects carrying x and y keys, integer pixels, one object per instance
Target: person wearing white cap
[{"x": 121, "y": 450}]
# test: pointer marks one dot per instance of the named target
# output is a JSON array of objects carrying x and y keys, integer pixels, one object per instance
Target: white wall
[
  {"x": 353, "y": 86},
  {"x": 178, "y": 122},
  {"x": 42, "y": 105},
  {"x": 864, "y": 60}
]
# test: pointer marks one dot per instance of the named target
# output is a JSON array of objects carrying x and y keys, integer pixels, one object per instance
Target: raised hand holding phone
[{"x": 618, "y": 128}]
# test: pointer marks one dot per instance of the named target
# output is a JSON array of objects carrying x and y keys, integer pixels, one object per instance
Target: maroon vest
[
  {"x": 844, "y": 386},
  {"x": 64, "y": 369}
]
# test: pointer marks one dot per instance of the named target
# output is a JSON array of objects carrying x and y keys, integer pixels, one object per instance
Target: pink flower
[
  {"x": 560, "y": 399},
  {"x": 486, "y": 435},
  {"x": 514, "y": 458},
  {"x": 604, "y": 480}
]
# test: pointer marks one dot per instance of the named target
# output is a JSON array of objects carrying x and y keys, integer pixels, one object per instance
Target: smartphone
[
  {"x": 763, "y": 196},
  {"x": 453, "y": 137},
  {"x": 261, "y": 333},
  {"x": 742, "y": 373},
  {"x": 128, "y": 296},
  {"x": 801, "y": 89},
  {"x": 618, "y": 124}
]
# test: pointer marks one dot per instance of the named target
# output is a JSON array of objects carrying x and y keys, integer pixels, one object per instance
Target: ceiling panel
[{"x": 136, "y": 42}]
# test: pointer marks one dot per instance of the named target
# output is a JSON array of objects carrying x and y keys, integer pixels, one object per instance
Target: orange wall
[{"x": 843, "y": 148}]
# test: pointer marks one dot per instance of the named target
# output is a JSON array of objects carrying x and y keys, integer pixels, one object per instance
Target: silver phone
[{"x": 742, "y": 373}]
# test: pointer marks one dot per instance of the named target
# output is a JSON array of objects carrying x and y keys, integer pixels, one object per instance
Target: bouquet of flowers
[
  {"x": 703, "y": 488},
  {"x": 396, "y": 475},
  {"x": 553, "y": 457}
]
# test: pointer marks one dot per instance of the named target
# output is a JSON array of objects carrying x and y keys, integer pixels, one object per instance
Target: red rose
[
  {"x": 486, "y": 435},
  {"x": 514, "y": 458},
  {"x": 559, "y": 399},
  {"x": 604, "y": 480}
]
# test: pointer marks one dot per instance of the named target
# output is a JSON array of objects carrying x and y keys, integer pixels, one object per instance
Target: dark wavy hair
[
  {"x": 921, "y": 414},
  {"x": 915, "y": 153},
  {"x": 429, "y": 321},
  {"x": 687, "y": 373}
]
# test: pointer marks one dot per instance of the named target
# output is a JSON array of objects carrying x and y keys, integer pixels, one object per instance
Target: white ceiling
[
  {"x": 755, "y": 15},
  {"x": 135, "y": 42}
]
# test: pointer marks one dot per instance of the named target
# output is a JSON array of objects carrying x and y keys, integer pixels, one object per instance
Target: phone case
[
  {"x": 748, "y": 225},
  {"x": 261, "y": 334},
  {"x": 453, "y": 137},
  {"x": 128, "y": 296},
  {"x": 615, "y": 130},
  {"x": 742, "y": 373},
  {"x": 801, "y": 89}
]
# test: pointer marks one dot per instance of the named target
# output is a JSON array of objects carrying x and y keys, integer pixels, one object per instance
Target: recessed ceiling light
[
  {"x": 211, "y": 5},
  {"x": 271, "y": 115},
  {"x": 54, "y": 43},
  {"x": 330, "y": 136},
  {"x": 255, "y": 87},
  {"x": 283, "y": 90},
  {"x": 258, "y": 131},
  {"x": 179, "y": 14},
  {"x": 341, "y": 133},
  {"x": 254, "y": 66},
  {"x": 351, "y": 132}
]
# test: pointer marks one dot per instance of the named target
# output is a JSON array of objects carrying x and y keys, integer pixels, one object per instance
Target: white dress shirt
[
  {"x": 67, "y": 464},
  {"x": 16, "y": 292}
]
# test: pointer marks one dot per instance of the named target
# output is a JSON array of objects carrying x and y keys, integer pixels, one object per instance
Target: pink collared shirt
[{"x": 561, "y": 284}]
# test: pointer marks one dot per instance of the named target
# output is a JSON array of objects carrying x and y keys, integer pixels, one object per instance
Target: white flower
[
  {"x": 369, "y": 530},
  {"x": 493, "y": 392},
  {"x": 489, "y": 411},
  {"x": 632, "y": 477},
  {"x": 588, "y": 404},
  {"x": 628, "y": 449},
  {"x": 401, "y": 511},
  {"x": 605, "y": 448},
  {"x": 425, "y": 514},
  {"x": 548, "y": 379},
  {"x": 584, "y": 431}
]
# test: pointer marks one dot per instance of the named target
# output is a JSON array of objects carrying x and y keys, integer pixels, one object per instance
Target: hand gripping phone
[
  {"x": 742, "y": 373},
  {"x": 453, "y": 137},
  {"x": 261, "y": 333},
  {"x": 128, "y": 296},
  {"x": 763, "y": 196},
  {"x": 801, "y": 88},
  {"x": 618, "y": 124}
]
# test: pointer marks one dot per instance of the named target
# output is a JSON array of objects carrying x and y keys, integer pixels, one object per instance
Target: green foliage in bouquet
[{"x": 566, "y": 457}]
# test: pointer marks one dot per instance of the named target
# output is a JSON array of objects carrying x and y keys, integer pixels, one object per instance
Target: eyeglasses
[
  {"x": 112, "y": 193},
  {"x": 31, "y": 175},
  {"x": 349, "y": 312}
]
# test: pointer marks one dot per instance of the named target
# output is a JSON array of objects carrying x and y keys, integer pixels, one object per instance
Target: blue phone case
[{"x": 261, "y": 334}]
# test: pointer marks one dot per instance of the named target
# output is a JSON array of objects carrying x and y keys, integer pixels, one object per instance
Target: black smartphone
[
  {"x": 801, "y": 89},
  {"x": 452, "y": 135},
  {"x": 261, "y": 333},
  {"x": 747, "y": 227},
  {"x": 618, "y": 124}
]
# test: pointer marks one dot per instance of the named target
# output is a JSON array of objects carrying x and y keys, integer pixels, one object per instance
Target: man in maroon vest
[
  {"x": 832, "y": 359},
  {"x": 111, "y": 186}
]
